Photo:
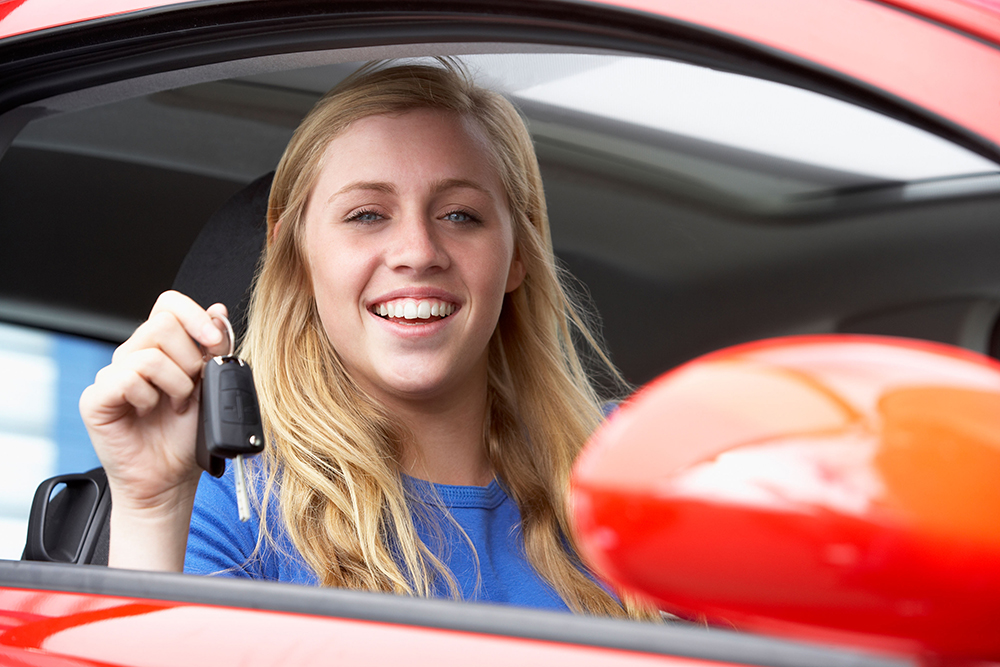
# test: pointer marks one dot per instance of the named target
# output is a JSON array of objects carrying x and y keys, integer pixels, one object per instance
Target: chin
[{"x": 420, "y": 387}]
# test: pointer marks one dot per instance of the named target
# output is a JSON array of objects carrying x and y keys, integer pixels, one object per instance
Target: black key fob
[{"x": 230, "y": 415}]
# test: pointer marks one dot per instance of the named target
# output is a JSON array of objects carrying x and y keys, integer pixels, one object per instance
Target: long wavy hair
[{"x": 333, "y": 457}]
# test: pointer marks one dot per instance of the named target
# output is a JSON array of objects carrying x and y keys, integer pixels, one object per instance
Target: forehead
[{"x": 411, "y": 146}]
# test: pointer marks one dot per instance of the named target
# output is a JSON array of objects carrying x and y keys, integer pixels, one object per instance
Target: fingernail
[{"x": 210, "y": 334}]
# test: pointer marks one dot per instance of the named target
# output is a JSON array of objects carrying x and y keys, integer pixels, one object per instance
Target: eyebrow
[
  {"x": 377, "y": 186},
  {"x": 390, "y": 189},
  {"x": 460, "y": 183}
]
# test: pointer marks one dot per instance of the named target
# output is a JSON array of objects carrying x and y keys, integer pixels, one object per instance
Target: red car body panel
[
  {"x": 52, "y": 629},
  {"x": 978, "y": 17},
  {"x": 24, "y": 16}
]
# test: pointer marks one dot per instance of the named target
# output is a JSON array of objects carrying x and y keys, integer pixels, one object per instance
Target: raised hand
[{"x": 142, "y": 414}]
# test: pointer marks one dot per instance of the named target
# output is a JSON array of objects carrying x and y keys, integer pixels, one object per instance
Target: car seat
[{"x": 70, "y": 514}]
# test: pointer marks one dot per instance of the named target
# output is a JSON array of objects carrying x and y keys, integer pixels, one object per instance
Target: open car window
[{"x": 680, "y": 196}]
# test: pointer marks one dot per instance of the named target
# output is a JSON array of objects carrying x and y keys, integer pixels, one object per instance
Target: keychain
[{"x": 230, "y": 419}]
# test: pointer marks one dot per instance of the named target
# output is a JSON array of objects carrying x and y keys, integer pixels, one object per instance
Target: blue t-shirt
[{"x": 219, "y": 543}]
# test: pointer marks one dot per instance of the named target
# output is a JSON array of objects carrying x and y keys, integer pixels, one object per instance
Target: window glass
[{"x": 41, "y": 434}]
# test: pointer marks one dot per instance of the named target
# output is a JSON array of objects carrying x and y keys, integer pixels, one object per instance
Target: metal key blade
[{"x": 242, "y": 500}]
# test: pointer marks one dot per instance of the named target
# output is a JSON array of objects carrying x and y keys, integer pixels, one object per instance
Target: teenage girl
[{"x": 411, "y": 345}]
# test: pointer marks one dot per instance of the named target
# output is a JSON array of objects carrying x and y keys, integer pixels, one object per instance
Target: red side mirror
[{"x": 834, "y": 488}]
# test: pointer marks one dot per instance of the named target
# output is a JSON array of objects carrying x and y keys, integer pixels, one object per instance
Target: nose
[{"x": 416, "y": 244}]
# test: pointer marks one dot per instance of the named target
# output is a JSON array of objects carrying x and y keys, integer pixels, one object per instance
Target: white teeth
[{"x": 414, "y": 309}]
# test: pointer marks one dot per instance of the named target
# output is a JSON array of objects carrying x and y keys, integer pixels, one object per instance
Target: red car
[{"x": 717, "y": 172}]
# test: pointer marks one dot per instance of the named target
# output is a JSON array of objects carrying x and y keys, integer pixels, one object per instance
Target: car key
[{"x": 230, "y": 420}]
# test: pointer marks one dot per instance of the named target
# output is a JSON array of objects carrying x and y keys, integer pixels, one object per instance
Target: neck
[{"x": 447, "y": 445}]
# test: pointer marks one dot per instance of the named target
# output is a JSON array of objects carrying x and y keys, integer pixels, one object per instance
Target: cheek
[
  {"x": 338, "y": 278},
  {"x": 493, "y": 275},
  {"x": 506, "y": 268},
  {"x": 339, "y": 313}
]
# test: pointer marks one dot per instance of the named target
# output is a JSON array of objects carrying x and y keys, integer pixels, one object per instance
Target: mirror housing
[{"x": 832, "y": 488}]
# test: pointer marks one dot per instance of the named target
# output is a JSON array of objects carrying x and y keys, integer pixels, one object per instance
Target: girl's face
[{"x": 411, "y": 249}]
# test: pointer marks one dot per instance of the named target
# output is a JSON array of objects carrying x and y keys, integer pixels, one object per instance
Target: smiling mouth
[{"x": 413, "y": 311}]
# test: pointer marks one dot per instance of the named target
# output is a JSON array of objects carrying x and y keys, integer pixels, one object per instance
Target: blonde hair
[{"x": 333, "y": 452}]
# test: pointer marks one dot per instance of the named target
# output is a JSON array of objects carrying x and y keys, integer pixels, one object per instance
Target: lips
[{"x": 413, "y": 310}]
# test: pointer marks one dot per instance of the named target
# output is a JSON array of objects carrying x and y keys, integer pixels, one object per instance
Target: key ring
[{"x": 229, "y": 331}]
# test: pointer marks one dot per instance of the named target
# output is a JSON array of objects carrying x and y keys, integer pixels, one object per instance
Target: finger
[
  {"x": 195, "y": 319},
  {"x": 139, "y": 393},
  {"x": 164, "y": 331},
  {"x": 138, "y": 381},
  {"x": 155, "y": 368},
  {"x": 218, "y": 310},
  {"x": 116, "y": 391}
]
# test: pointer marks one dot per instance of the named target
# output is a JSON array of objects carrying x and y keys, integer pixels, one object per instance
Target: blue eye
[
  {"x": 365, "y": 215},
  {"x": 462, "y": 217}
]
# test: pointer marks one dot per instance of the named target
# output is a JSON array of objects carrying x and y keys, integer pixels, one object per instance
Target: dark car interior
[{"x": 119, "y": 186}]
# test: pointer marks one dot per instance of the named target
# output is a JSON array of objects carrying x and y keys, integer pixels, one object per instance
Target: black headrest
[{"x": 220, "y": 266}]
